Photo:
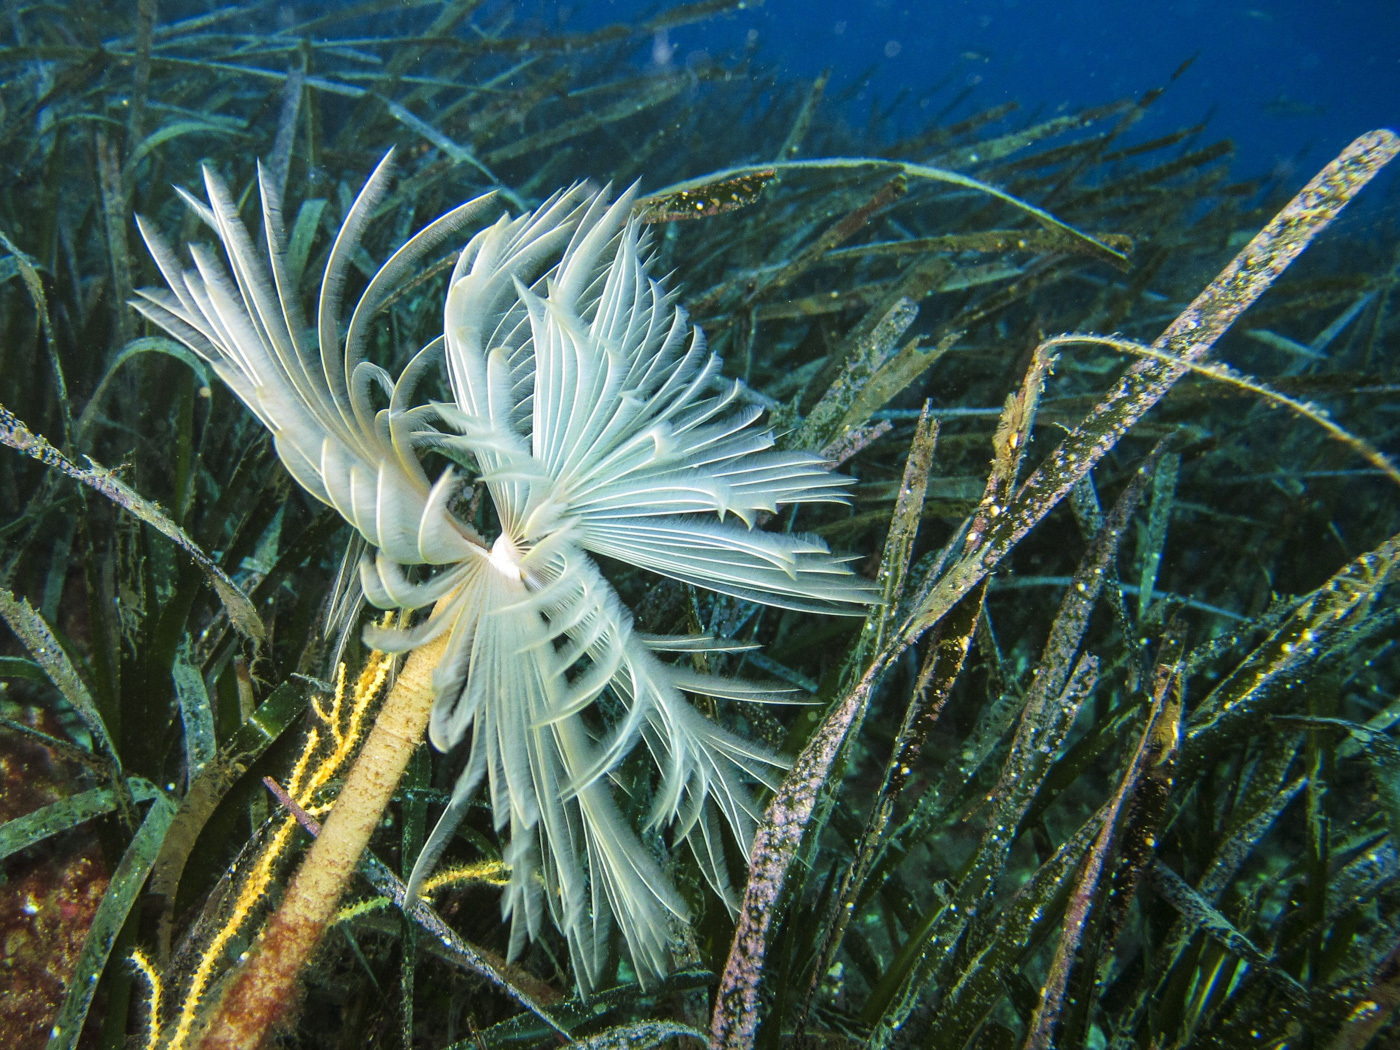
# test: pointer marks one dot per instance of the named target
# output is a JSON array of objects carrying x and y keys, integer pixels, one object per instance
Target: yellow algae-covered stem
[{"x": 264, "y": 992}]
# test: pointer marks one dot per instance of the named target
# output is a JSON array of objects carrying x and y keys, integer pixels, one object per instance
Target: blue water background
[{"x": 1290, "y": 82}]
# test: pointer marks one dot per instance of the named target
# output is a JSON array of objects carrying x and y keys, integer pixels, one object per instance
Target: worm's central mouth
[{"x": 505, "y": 557}]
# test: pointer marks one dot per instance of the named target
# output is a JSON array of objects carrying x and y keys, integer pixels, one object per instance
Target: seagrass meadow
[{"x": 1110, "y": 763}]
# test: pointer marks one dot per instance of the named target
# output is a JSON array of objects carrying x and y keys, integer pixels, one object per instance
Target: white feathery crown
[{"x": 599, "y": 423}]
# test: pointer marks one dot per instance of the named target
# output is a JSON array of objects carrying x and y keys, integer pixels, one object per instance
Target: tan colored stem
[{"x": 265, "y": 991}]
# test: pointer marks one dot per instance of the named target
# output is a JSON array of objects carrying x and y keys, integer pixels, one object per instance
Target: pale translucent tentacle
[{"x": 246, "y": 323}]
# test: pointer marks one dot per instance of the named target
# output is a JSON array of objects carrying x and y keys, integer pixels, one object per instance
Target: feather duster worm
[{"x": 600, "y": 424}]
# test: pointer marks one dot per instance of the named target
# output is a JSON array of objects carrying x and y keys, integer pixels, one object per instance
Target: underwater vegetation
[{"x": 1100, "y": 750}]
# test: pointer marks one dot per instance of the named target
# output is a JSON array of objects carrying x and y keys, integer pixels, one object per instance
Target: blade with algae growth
[{"x": 1189, "y": 338}]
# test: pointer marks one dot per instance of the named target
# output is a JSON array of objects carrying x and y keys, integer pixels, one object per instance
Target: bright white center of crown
[{"x": 505, "y": 557}]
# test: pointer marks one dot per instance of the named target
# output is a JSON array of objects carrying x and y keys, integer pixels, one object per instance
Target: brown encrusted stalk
[{"x": 263, "y": 994}]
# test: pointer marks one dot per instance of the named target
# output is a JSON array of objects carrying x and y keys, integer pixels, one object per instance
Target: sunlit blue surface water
[{"x": 1290, "y": 82}]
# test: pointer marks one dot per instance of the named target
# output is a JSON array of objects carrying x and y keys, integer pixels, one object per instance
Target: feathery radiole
[{"x": 599, "y": 422}]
